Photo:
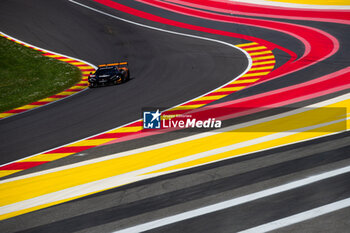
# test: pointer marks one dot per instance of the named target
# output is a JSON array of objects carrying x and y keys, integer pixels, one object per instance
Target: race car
[{"x": 107, "y": 74}]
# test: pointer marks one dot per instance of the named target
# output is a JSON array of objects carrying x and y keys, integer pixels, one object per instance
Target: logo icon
[{"x": 151, "y": 120}]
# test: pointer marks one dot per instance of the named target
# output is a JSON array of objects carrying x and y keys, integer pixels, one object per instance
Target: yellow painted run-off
[
  {"x": 34, "y": 191},
  {"x": 258, "y": 71}
]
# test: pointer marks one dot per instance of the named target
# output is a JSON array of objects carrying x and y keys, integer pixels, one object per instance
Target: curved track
[
  {"x": 156, "y": 80},
  {"x": 167, "y": 70}
]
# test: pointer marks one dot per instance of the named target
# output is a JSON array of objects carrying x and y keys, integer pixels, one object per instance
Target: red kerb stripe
[
  {"x": 16, "y": 111},
  {"x": 21, "y": 165},
  {"x": 69, "y": 149},
  {"x": 112, "y": 135}
]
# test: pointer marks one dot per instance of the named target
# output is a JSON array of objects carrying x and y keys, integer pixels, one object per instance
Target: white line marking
[
  {"x": 189, "y": 138},
  {"x": 313, "y": 213},
  {"x": 133, "y": 176},
  {"x": 233, "y": 202},
  {"x": 294, "y": 5},
  {"x": 180, "y": 34},
  {"x": 157, "y": 29}
]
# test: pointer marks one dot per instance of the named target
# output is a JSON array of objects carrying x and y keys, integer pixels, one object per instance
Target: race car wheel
[
  {"x": 123, "y": 73},
  {"x": 128, "y": 76}
]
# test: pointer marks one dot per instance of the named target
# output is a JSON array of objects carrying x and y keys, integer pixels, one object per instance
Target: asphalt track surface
[
  {"x": 159, "y": 80},
  {"x": 156, "y": 81},
  {"x": 171, "y": 194}
]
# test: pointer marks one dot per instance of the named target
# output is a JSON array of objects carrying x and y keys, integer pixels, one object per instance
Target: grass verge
[{"x": 26, "y": 76}]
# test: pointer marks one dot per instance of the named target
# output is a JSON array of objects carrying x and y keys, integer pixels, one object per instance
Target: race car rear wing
[{"x": 119, "y": 64}]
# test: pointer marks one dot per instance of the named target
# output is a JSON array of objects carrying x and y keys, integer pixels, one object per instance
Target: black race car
[{"x": 107, "y": 74}]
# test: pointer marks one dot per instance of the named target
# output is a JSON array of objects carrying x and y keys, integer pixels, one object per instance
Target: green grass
[{"x": 26, "y": 76}]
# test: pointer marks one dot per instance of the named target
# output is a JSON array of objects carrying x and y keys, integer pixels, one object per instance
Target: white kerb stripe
[
  {"x": 153, "y": 28},
  {"x": 313, "y": 213},
  {"x": 295, "y": 5},
  {"x": 129, "y": 177},
  {"x": 189, "y": 138},
  {"x": 233, "y": 202}
]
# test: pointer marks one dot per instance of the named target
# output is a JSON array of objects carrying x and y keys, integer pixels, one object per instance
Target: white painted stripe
[
  {"x": 157, "y": 29},
  {"x": 295, "y": 5},
  {"x": 133, "y": 176},
  {"x": 185, "y": 139},
  {"x": 180, "y": 34},
  {"x": 307, "y": 215},
  {"x": 233, "y": 202}
]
